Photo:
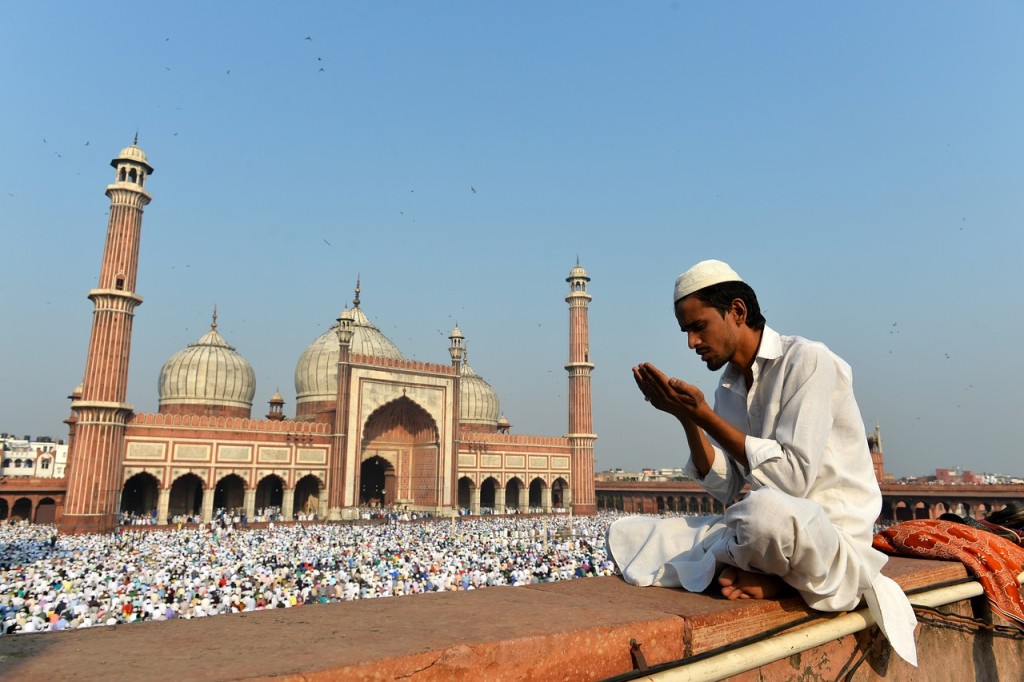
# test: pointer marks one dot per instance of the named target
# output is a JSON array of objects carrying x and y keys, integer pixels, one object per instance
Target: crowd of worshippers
[{"x": 53, "y": 582}]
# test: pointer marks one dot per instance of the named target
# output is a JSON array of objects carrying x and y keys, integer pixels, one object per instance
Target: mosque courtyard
[{"x": 53, "y": 582}]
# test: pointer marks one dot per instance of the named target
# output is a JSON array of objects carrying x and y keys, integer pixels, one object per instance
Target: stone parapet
[
  {"x": 141, "y": 419},
  {"x": 572, "y": 630}
]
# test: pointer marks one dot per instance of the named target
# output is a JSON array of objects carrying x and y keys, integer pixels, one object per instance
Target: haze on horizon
[{"x": 860, "y": 166}]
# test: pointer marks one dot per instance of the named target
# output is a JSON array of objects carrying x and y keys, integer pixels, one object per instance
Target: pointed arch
[
  {"x": 404, "y": 435},
  {"x": 139, "y": 495},
  {"x": 46, "y": 510},
  {"x": 560, "y": 493},
  {"x": 308, "y": 495},
  {"x": 269, "y": 492},
  {"x": 537, "y": 488},
  {"x": 513, "y": 493},
  {"x": 186, "y": 498},
  {"x": 466, "y": 492},
  {"x": 488, "y": 493},
  {"x": 229, "y": 493},
  {"x": 22, "y": 509}
]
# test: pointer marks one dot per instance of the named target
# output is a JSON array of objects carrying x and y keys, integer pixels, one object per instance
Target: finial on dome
[
  {"x": 135, "y": 142},
  {"x": 213, "y": 325},
  {"x": 355, "y": 301}
]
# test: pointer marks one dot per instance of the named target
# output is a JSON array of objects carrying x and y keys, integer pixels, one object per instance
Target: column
[
  {"x": 163, "y": 500},
  {"x": 208, "y": 505},
  {"x": 524, "y": 499},
  {"x": 287, "y": 503},
  {"x": 250, "y": 503},
  {"x": 474, "y": 500},
  {"x": 499, "y": 500},
  {"x": 545, "y": 499}
]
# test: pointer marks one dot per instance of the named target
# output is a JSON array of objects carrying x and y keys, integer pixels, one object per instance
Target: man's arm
[{"x": 687, "y": 404}]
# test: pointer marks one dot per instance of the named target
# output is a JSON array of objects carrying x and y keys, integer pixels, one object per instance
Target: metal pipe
[{"x": 755, "y": 655}]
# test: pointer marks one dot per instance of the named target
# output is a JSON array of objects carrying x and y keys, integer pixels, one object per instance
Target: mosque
[{"x": 371, "y": 427}]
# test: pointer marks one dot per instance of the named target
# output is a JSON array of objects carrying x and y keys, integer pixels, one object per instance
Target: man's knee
[{"x": 769, "y": 516}]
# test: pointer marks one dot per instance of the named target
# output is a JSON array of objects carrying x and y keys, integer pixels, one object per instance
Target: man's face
[{"x": 714, "y": 337}]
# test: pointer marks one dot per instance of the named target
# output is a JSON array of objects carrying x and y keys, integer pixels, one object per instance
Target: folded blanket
[{"x": 993, "y": 560}]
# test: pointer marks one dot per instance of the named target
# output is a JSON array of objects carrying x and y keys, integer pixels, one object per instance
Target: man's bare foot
[{"x": 739, "y": 584}]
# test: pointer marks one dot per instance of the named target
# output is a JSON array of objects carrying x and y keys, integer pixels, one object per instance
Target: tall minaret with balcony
[
  {"x": 457, "y": 350},
  {"x": 95, "y": 462},
  {"x": 581, "y": 425},
  {"x": 338, "y": 476}
]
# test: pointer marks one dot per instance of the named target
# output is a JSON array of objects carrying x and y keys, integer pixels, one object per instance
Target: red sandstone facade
[{"x": 371, "y": 427}]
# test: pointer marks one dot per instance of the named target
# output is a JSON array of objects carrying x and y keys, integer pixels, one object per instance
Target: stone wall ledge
[{"x": 571, "y": 630}]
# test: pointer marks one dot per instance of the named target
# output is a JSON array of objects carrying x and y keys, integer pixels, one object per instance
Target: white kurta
[{"x": 810, "y": 516}]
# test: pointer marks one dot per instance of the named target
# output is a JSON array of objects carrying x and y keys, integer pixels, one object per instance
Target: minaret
[
  {"x": 877, "y": 454},
  {"x": 581, "y": 425},
  {"x": 95, "y": 465},
  {"x": 337, "y": 474},
  {"x": 457, "y": 351}
]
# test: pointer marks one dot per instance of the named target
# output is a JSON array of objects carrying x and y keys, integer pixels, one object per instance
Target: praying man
[{"x": 784, "y": 422}]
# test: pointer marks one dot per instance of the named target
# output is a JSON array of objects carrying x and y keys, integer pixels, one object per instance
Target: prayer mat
[{"x": 993, "y": 560}]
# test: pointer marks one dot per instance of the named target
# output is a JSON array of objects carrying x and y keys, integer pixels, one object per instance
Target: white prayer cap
[{"x": 704, "y": 274}]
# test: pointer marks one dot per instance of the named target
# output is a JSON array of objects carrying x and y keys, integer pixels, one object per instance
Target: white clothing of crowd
[{"x": 54, "y": 582}]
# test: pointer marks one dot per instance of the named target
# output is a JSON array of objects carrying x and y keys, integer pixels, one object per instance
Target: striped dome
[
  {"x": 478, "y": 403},
  {"x": 208, "y": 372},
  {"x": 316, "y": 372}
]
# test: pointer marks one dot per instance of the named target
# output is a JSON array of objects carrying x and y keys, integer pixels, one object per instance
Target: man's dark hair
[{"x": 720, "y": 297}]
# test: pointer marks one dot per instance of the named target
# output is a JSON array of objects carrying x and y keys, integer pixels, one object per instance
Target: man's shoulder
[
  {"x": 792, "y": 342},
  {"x": 801, "y": 349}
]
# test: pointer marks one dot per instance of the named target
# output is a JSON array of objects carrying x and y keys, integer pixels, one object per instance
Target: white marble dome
[
  {"x": 208, "y": 372},
  {"x": 578, "y": 272},
  {"x": 478, "y": 403},
  {"x": 133, "y": 153},
  {"x": 316, "y": 373}
]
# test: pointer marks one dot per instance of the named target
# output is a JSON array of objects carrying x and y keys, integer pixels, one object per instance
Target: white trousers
[{"x": 767, "y": 532}]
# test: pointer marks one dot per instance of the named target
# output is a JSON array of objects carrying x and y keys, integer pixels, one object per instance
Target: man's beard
[{"x": 715, "y": 364}]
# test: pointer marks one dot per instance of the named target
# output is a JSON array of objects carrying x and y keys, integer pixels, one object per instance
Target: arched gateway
[{"x": 399, "y": 456}]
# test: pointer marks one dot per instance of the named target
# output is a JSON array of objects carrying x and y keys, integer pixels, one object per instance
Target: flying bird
[
  {"x": 309, "y": 38},
  {"x": 327, "y": 242},
  {"x": 473, "y": 189}
]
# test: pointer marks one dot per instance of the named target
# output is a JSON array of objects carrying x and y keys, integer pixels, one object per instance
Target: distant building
[
  {"x": 24, "y": 457},
  {"x": 652, "y": 475}
]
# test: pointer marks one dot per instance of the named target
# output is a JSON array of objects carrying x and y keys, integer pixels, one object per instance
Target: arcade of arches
[
  {"x": 899, "y": 502},
  {"x": 188, "y": 496},
  {"x": 514, "y": 495},
  {"x": 33, "y": 508}
]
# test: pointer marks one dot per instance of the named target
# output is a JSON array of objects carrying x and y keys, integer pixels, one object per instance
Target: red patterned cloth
[{"x": 993, "y": 560}]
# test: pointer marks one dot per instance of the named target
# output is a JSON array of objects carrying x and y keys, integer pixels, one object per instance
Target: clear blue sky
[{"x": 860, "y": 165}]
